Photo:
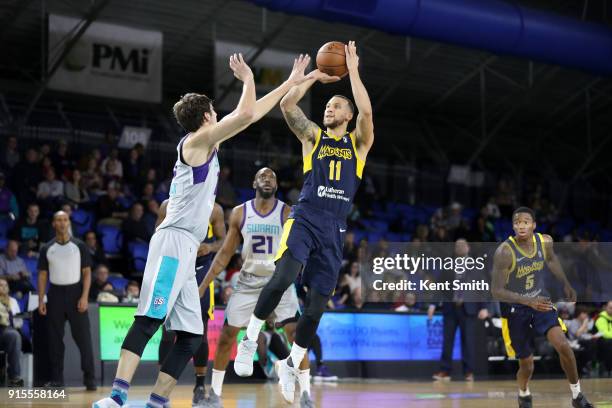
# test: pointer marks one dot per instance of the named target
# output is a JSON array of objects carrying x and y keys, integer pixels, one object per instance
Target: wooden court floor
[{"x": 368, "y": 393}]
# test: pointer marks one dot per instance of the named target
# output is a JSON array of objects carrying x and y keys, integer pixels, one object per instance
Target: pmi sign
[{"x": 108, "y": 60}]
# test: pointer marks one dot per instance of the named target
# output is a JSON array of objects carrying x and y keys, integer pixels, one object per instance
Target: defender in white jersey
[
  {"x": 169, "y": 290},
  {"x": 259, "y": 222}
]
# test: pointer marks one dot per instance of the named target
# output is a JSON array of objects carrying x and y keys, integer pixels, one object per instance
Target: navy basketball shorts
[
  {"x": 315, "y": 239},
  {"x": 207, "y": 302},
  {"x": 523, "y": 323}
]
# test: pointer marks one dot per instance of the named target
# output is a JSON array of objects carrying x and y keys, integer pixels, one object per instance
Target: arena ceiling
[{"x": 447, "y": 103}]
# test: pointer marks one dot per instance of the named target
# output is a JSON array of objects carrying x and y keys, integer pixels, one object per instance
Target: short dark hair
[
  {"x": 525, "y": 210},
  {"x": 190, "y": 109},
  {"x": 348, "y": 101}
]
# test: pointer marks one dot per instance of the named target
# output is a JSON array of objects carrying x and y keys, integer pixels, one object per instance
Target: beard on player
[
  {"x": 332, "y": 122},
  {"x": 266, "y": 191}
]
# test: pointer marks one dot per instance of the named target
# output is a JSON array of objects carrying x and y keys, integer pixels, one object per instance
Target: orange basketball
[{"x": 331, "y": 59}]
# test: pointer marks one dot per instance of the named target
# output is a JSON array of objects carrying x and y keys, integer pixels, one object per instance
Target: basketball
[{"x": 331, "y": 59}]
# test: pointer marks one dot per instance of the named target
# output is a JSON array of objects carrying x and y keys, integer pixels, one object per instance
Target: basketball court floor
[{"x": 352, "y": 393}]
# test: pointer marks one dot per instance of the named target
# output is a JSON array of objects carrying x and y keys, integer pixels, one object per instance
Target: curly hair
[{"x": 190, "y": 109}]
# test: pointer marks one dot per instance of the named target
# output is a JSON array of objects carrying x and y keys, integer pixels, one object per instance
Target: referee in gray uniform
[{"x": 65, "y": 261}]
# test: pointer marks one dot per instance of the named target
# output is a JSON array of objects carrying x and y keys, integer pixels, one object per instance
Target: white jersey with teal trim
[
  {"x": 192, "y": 195},
  {"x": 261, "y": 235}
]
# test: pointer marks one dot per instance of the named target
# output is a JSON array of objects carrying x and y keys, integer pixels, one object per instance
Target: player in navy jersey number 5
[{"x": 314, "y": 233}]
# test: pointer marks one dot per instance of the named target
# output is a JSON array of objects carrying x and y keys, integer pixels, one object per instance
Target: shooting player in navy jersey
[{"x": 313, "y": 236}]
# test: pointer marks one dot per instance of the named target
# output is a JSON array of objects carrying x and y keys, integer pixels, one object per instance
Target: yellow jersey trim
[
  {"x": 211, "y": 308},
  {"x": 507, "y": 340},
  {"x": 360, "y": 162},
  {"x": 282, "y": 247},
  {"x": 518, "y": 248},
  {"x": 308, "y": 157},
  {"x": 543, "y": 245}
]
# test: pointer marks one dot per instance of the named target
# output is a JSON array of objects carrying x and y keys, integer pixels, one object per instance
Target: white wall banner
[
  {"x": 108, "y": 60},
  {"x": 130, "y": 136},
  {"x": 270, "y": 69}
]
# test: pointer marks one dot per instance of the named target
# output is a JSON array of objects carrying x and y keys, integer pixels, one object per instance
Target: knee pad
[
  {"x": 182, "y": 351},
  {"x": 315, "y": 305},
  {"x": 140, "y": 333}
]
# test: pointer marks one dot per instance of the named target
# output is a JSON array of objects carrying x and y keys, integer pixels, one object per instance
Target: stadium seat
[
  {"x": 3, "y": 243},
  {"x": 125, "y": 201},
  {"x": 112, "y": 239},
  {"x": 138, "y": 252},
  {"x": 82, "y": 221},
  {"x": 5, "y": 226},
  {"x": 119, "y": 282},
  {"x": 161, "y": 196}
]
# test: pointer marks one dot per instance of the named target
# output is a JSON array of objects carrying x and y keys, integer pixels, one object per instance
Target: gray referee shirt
[{"x": 64, "y": 261}]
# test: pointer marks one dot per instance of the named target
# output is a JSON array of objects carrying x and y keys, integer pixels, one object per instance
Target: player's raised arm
[
  {"x": 502, "y": 267},
  {"x": 230, "y": 244},
  {"x": 552, "y": 261},
  {"x": 300, "y": 125},
  {"x": 364, "y": 131},
  {"x": 207, "y": 137}
]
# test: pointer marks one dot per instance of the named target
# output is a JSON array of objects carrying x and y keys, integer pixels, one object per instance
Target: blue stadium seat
[
  {"x": 160, "y": 197},
  {"x": 125, "y": 201},
  {"x": 5, "y": 226},
  {"x": 3, "y": 243},
  {"x": 112, "y": 239},
  {"x": 119, "y": 282},
  {"x": 82, "y": 221},
  {"x": 138, "y": 252}
]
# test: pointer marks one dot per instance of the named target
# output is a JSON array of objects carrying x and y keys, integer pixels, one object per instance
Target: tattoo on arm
[{"x": 299, "y": 123}]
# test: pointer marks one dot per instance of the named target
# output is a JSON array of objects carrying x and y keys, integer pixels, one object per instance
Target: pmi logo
[{"x": 108, "y": 57}]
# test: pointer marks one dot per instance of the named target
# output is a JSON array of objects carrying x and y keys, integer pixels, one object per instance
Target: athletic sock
[
  {"x": 120, "y": 391},
  {"x": 252, "y": 331},
  {"x": 156, "y": 401},
  {"x": 200, "y": 380},
  {"x": 217, "y": 381},
  {"x": 575, "y": 389},
  {"x": 304, "y": 380},
  {"x": 525, "y": 393},
  {"x": 297, "y": 354}
]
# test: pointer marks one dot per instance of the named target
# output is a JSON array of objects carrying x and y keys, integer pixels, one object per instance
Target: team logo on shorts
[{"x": 158, "y": 301}]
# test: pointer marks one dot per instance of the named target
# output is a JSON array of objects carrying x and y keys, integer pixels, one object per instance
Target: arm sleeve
[
  {"x": 43, "y": 262},
  {"x": 85, "y": 256}
]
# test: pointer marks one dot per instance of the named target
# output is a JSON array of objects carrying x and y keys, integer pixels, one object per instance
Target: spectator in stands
[
  {"x": 44, "y": 150},
  {"x": 582, "y": 340},
  {"x": 485, "y": 229},
  {"x": 29, "y": 176},
  {"x": 604, "y": 327},
  {"x": 350, "y": 287},
  {"x": 132, "y": 292},
  {"x": 8, "y": 201},
  {"x": 65, "y": 262},
  {"x": 147, "y": 193},
  {"x": 226, "y": 194},
  {"x": 132, "y": 169},
  {"x": 109, "y": 211},
  {"x": 134, "y": 227},
  {"x": 109, "y": 144},
  {"x": 10, "y": 156},
  {"x": 10, "y": 338},
  {"x": 100, "y": 283},
  {"x": 51, "y": 190},
  {"x": 349, "y": 252},
  {"x": 150, "y": 215},
  {"x": 92, "y": 177},
  {"x": 492, "y": 208},
  {"x": 111, "y": 166},
  {"x": 74, "y": 190},
  {"x": 45, "y": 165},
  {"x": 14, "y": 270},
  {"x": 67, "y": 208},
  {"x": 440, "y": 234},
  {"x": 30, "y": 231},
  {"x": 95, "y": 250},
  {"x": 60, "y": 158},
  {"x": 506, "y": 197}
]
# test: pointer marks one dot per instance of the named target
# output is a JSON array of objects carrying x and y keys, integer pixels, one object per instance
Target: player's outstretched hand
[
  {"x": 297, "y": 73},
  {"x": 323, "y": 77},
  {"x": 350, "y": 52},
  {"x": 541, "y": 304},
  {"x": 241, "y": 69}
]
